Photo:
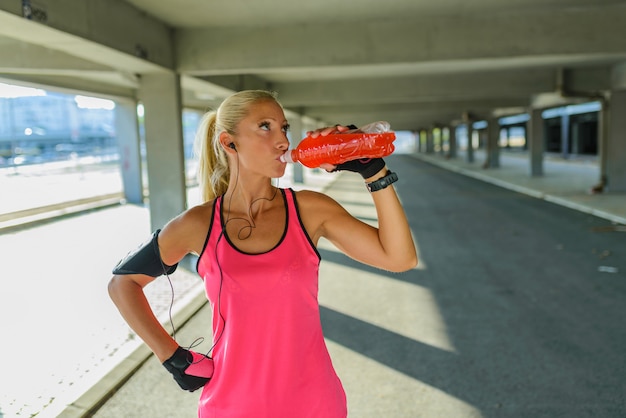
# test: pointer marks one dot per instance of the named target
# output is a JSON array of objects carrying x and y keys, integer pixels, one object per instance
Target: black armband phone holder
[{"x": 146, "y": 259}]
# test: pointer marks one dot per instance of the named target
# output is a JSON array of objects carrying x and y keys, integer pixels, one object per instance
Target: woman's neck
[{"x": 246, "y": 195}]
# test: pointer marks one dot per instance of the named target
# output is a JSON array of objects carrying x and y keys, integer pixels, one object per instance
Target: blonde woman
[{"x": 259, "y": 262}]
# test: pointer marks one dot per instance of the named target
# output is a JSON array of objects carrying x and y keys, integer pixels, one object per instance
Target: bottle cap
[
  {"x": 286, "y": 157},
  {"x": 378, "y": 127}
]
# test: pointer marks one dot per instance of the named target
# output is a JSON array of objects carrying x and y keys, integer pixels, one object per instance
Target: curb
[
  {"x": 524, "y": 190},
  {"x": 88, "y": 403},
  {"x": 30, "y": 217}
]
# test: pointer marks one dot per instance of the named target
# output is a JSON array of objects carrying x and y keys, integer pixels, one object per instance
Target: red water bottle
[{"x": 373, "y": 140}]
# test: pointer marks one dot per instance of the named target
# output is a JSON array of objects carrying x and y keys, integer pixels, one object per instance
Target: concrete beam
[
  {"x": 482, "y": 107},
  {"x": 587, "y": 80},
  {"x": 399, "y": 120},
  {"x": 448, "y": 87},
  {"x": 237, "y": 82},
  {"x": 111, "y": 32},
  {"x": 22, "y": 56},
  {"x": 618, "y": 76},
  {"x": 584, "y": 34},
  {"x": 73, "y": 84},
  {"x": 405, "y": 117}
]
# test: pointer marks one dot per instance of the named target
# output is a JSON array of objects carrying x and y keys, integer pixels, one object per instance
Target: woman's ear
[{"x": 227, "y": 142}]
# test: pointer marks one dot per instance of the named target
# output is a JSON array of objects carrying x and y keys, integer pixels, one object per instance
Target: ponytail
[{"x": 213, "y": 173}]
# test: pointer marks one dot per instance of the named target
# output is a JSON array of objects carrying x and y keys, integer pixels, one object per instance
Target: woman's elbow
[
  {"x": 118, "y": 286},
  {"x": 412, "y": 263},
  {"x": 406, "y": 264},
  {"x": 113, "y": 287}
]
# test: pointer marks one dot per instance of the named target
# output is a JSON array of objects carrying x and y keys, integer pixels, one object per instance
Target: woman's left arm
[{"x": 389, "y": 247}]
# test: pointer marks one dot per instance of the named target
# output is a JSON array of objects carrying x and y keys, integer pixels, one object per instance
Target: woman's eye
[
  {"x": 286, "y": 128},
  {"x": 265, "y": 126}
]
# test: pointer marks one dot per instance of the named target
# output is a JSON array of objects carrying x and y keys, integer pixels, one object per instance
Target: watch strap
[{"x": 382, "y": 182}]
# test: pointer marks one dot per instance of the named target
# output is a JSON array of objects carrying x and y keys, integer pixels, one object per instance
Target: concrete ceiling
[{"x": 415, "y": 63}]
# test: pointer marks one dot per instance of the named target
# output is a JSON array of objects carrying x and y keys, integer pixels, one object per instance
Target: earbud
[{"x": 232, "y": 145}]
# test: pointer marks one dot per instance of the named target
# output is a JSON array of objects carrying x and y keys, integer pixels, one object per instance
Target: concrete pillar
[
  {"x": 535, "y": 142},
  {"x": 127, "y": 133},
  {"x": 565, "y": 151},
  {"x": 615, "y": 150},
  {"x": 420, "y": 141},
  {"x": 492, "y": 143},
  {"x": 507, "y": 134},
  {"x": 470, "y": 134},
  {"x": 161, "y": 98},
  {"x": 603, "y": 140},
  {"x": 296, "y": 133},
  {"x": 452, "y": 142},
  {"x": 575, "y": 136},
  {"x": 430, "y": 141},
  {"x": 438, "y": 140},
  {"x": 443, "y": 141}
]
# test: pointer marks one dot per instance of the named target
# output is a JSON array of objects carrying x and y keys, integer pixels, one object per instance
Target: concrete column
[
  {"x": 470, "y": 133},
  {"x": 452, "y": 142},
  {"x": 127, "y": 133},
  {"x": 615, "y": 150},
  {"x": 535, "y": 142},
  {"x": 438, "y": 140},
  {"x": 492, "y": 145},
  {"x": 161, "y": 98},
  {"x": 430, "y": 141},
  {"x": 442, "y": 141},
  {"x": 575, "y": 135},
  {"x": 507, "y": 133},
  {"x": 565, "y": 151},
  {"x": 296, "y": 133},
  {"x": 420, "y": 141},
  {"x": 603, "y": 138}
]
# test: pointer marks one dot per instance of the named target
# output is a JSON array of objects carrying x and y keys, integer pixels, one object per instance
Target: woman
[{"x": 258, "y": 259}]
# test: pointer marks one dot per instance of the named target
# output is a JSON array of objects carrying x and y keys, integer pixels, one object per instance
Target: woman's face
[{"x": 261, "y": 139}]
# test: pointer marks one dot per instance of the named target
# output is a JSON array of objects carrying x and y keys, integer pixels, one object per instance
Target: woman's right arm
[
  {"x": 126, "y": 291},
  {"x": 179, "y": 237}
]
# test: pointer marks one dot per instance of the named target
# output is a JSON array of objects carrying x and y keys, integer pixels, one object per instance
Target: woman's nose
[{"x": 283, "y": 143}]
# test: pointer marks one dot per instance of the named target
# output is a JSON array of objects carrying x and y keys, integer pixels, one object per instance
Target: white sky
[{"x": 9, "y": 91}]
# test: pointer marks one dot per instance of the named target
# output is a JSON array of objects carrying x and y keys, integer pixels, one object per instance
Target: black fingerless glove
[
  {"x": 191, "y": 370},
  {"x": 366, "y": 167}
]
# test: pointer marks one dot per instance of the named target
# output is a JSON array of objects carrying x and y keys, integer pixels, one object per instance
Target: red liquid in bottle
[{"x": 338, "y": 148}]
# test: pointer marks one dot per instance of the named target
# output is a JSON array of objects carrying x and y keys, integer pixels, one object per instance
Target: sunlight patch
[
  {"x": 385, "y": 301},
  {"x": 375, "y": 390}
]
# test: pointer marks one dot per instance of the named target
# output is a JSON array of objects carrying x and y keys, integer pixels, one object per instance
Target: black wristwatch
[{"x": 382, "y": 182}]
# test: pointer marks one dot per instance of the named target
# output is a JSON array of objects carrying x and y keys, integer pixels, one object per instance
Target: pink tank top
[{"x": 270, "y": 358}]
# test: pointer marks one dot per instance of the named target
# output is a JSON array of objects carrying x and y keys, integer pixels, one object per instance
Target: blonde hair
[{"x": 213, "y": 170}]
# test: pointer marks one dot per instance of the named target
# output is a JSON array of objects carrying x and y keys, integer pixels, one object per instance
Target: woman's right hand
[{"x": 190, "y": 370}]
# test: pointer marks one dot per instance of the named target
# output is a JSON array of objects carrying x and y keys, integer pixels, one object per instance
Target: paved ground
[
  {"x": 53, "y": 299},
  {"x": 516, "y": 309}
]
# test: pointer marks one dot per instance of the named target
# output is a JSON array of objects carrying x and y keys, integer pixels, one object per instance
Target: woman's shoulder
[
  {"x": 193, "y": 219},
  {"x": 198, "y": 214},
  {"x": 316, "y": 210},
  {"x": 309, "y": 200},
  {"x": 190, "y": 227},
  {"x": 309, "y": 196}
]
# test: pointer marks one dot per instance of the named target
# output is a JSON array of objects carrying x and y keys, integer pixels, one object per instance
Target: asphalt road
[
  {"x": 526, "y": 292},
  {"x": 517, "y": 310}
]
